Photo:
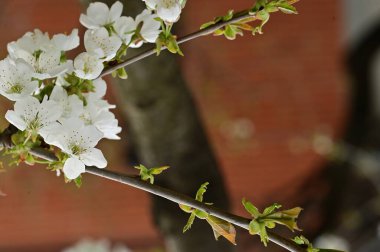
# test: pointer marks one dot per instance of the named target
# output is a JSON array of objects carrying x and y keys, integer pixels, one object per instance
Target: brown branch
[
  {"x": 168, "y": 194},
  {"x": 186, "y": 200},
  {"x": 239, "y": 16}
]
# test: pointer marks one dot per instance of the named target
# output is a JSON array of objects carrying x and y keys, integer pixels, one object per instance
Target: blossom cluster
[{"x": 60, "y": 102}]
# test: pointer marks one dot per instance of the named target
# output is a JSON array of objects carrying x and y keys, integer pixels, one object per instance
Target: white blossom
[
  {"x": 95, "y": 98},
  {"x": 99, "y": 42},
  {"x": 48, "y": 65},
  {"x": 151, "y": 4},
  {"x": 62, "y": 42},
  {"x": 16, "y": 79},
  {"x": 88, "y": 66},
  {"x": 32, "y": 42},
  {"x": 103, "y": 120},
  {"x": 150, "y": 28},
  {"x": 99, "y": 15},
  {"x": 97, "y": 113},
  {"x": 78, "y": 141},
  {"x": 31, "y": 115},
  {"x": 44, "y": 54},
  {"x": 167, "y": 10},
  {"x": 71, "y": 105},
  {"x": 28, "y": 44},
  {"x": 125, "y": 28}
]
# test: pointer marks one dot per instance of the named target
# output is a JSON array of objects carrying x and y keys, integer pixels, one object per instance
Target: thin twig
[
  {"x": 188, "y": 201},
  {"x": 168, "y": 194},
  {"x": 239, "y": 16}
]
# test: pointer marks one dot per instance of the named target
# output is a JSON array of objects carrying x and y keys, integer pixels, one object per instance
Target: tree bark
[{"x": 165, "y": 129}]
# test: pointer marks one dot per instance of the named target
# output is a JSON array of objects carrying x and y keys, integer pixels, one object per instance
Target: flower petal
[
  {"x": 124, "y": 27},
  {"x": 73, "y": 167},
  {"x": 98, "y": 12},
  {"x": 100, "y": 87},
  {"x": 115, "y": 12},
  {"x": 15, "y": 119},
  {"x": 88, "y": 66},
  {"x": 66, "y": 43},
  {"x": 94, "y": 157},
  {"x": 169, "y": 10}
]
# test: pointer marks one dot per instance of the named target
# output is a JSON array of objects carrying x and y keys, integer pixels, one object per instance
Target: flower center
[
  {"x": 35, "y": 124},
  {"x": 86, "y": 118},
  {"x": 76, "y": 149},
  {"x": 168, "y": 3},
  {"x": 15, "y": 89}
]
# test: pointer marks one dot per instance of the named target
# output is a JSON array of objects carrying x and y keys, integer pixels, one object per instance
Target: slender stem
[
  {"x": 159, "y": 191},
  {"x": 239, "y": 16},
  {"x": 188, "y": 201}
]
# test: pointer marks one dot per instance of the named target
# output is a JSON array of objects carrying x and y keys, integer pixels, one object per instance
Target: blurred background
[{"x": 290, "y": 116}]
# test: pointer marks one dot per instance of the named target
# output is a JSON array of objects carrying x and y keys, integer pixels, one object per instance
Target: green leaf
[
  {"x": 271, "y": 209},
  {"x": 287, "y": 217},
  {"x": 201, "y": 191},
  {"x": 251, "y": 208},
  {"x": 148, "y": 174},
  {"x": 229, "y": 32},
  {"x": 263, "y": 234},
  {"x": 78, "y": 181},
  {"x": 254, "y": 227},
  {"x": 301, "y": 240},
  {"x": 200, "y": 214},
  {"x": 172, "y": 45},
  {"x": 229, "y": 15},
  {"x": 218, "y": 32},
  {"x": 29, "y": 160},
  {"x": 185, "y": 208},
  {"x": 270, "y": 224},
  {"x": 287, "y": 8},
  {"x": 122, "y": 74},
  {"x": 189, "y": 223},
  {"x": 208, "y": 24},
  {"x": 263, "y": 16},
  {"x": 114, "y": 74},
  {"x": 158, "y": 170}
]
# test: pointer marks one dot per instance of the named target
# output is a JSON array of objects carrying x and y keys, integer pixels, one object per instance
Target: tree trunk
[{"x": 165, "y": 129}]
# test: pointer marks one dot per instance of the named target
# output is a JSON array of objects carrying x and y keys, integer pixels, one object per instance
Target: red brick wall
[{"x": 262, "y": 99}]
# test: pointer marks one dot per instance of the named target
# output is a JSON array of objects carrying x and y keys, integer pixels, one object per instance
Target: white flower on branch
[
  {"x": 34, "y": 42},
  {"x": 88, "y": 66},
  {"x": 95, "y": 98},
  {"x": 35, "y": 117},
  {"x": 168, "y": 10},
  {"x": 149, "y": 28},
  {"x": 103, "y": 120},
  {"x": 71, "y": 105},
  {"x": 97, "y": 113},
  {"x": 16, "y": 79},
  {"x": 29, "y": 43},
  {"x": 99, "y": 15},
  {"x": 48, "y": 65},
  {"x": 78, "y": 141},
  {"x": 43, "y": 54},
  {"x": 62, "y": 42},
  {"x": 125, "y": 28},
  {"x": 99, "y": 42},
  {"x": 151, "y": 4}
]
